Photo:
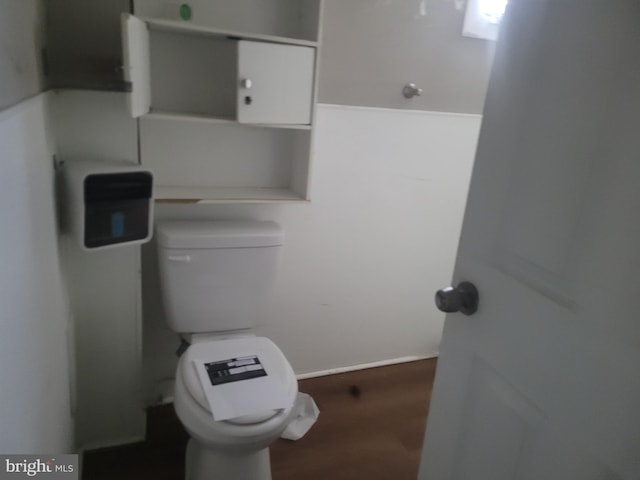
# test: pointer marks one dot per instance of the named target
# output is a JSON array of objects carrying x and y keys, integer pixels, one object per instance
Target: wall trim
[
  {"x": 398, "y": 110},
  {"x": 364, "y": 366},
  {"x": 23, "y": 104}
]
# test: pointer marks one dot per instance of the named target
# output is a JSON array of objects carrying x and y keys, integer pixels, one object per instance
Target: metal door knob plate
[
  {"x": 411, "y": 90},
  {"x": 463, "y": 298}
]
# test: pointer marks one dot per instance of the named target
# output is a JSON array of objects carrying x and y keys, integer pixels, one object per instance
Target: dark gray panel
[
  {"x": 21, "y": 32},
  {"x": 372, "y": 48}
]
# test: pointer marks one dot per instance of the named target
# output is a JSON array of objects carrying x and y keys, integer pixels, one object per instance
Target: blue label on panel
[{"x": 117, "y": 224}]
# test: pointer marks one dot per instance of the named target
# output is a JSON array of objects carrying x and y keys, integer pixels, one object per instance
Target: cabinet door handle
[{"x": 246, "y": 83}]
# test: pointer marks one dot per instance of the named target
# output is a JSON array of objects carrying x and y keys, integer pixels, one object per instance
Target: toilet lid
[{"x": 272, "y": 359}]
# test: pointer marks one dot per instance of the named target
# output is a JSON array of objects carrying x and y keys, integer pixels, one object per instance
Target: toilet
[{"x": 216, "y": 279}]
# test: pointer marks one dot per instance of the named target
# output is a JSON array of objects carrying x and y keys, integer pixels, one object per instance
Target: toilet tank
[{"x": 217, "y": 275}]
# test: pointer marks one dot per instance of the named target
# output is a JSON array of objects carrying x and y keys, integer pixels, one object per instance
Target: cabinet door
[
  {"x": 137, "y": 67},
  {"x": 275, "y": 83}
]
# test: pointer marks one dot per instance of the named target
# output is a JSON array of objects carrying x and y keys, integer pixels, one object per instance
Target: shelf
[
  {"x": 189, "y": 28},
  {"x": 192, "y": 117},
  {"x": 205, "y": 136},
  {"x": 202, "y": 195}
]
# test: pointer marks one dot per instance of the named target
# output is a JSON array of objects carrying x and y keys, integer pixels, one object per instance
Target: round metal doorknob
[{"x": 463, "y": 298}]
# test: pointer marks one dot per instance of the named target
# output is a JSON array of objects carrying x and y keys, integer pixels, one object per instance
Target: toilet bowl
[
  {"x": 240, "y": 434},
  {"x": 216, "y": 278},
  {"x": 238, "y": 447}
]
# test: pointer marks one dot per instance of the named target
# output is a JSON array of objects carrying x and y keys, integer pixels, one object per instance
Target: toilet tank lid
[{"x": 218, "y": 234}]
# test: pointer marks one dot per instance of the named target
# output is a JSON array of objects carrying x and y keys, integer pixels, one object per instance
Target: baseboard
[
  {"x": 363, "y": 366},
  {"x": 110, "y": 443}
]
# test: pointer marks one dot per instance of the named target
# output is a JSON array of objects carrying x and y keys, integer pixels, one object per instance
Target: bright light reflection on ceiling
[{"x": 492, "y": 10}]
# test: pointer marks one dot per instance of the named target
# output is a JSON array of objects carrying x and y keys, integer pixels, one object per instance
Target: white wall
[
  {"x": 35, "y": 409},
  {"x": 362, "y": 261}
]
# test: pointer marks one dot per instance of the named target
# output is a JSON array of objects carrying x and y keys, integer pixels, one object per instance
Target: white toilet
[{"x": 216, "y": 278}]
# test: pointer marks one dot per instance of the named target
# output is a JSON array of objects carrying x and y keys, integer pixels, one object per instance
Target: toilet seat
[{"x": 272, "y": 359}]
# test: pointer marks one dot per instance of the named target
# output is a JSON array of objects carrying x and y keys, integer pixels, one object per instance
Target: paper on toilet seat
[{"x": 240, "y": 386}]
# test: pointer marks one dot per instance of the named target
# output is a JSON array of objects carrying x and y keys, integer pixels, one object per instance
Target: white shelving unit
[{"x": 226, "y": 113}]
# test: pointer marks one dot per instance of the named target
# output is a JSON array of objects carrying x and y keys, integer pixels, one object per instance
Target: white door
[
  {"x": 275, "y": 83},
  {"x": 543, "y": 381}
]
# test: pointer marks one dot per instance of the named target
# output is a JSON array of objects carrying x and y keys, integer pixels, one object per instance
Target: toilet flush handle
[{"x": 179, "y": 258}]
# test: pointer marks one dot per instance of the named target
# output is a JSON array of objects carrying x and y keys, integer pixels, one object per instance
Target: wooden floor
[{"x": 370, "y": 427}]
